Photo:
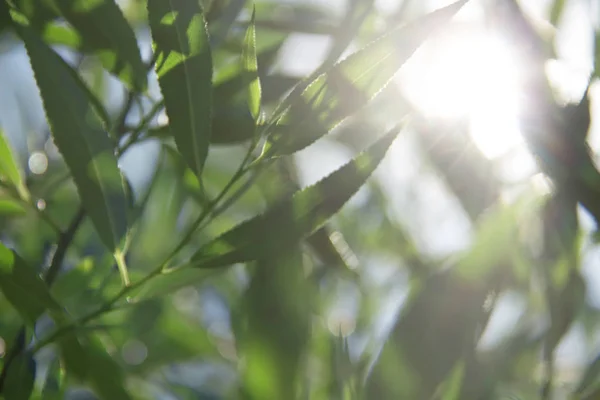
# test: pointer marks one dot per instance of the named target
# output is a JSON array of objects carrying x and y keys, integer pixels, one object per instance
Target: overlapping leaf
[
  {"x": 23, "y": 287},
  {"x": 354, "y": 81},
  {"x": 291, "y": 220},
  {"x": 100, "y": 29},
  {"x": 78, "y": 132},
  {"x": 85, "y": 358},
  {"x": 20, "y": 377},
  {"x": 184, "y": 69}
]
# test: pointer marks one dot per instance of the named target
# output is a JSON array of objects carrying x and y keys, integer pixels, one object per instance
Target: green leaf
[
  {"x": 556, "y": 11},
  {"x": 184, "y": 69},
  {"x": 353, "y": 82},
  {"x": 250, "y": 68},
  {"x": 10, "y": 208},
  {"x": 54, "y": 388},
  {"x": 80, "y": 136},
  {"x": 23, "y": 287},
  {"x": 9, "y": 168},
  {"x": 597, "y": 54},
  {"x": 172, "y": 336},
  {"x": 38, "y": 13},
  {"x": 497, "y": 241},
  {"x": 18, "y": 384},
  {"x": 86, "y": 359},
  {"x": 5, "y": 20},
  {"x": 114, "y": 43},
  {"x": 105, "y": 30},
  {"x": 272, "y": 367},
  {"x": 282, "y": 226}
]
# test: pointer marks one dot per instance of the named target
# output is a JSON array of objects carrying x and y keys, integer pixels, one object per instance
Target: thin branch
[{"x": 62, "y": 246}]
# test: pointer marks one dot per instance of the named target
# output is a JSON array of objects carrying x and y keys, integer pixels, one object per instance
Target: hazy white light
[
  {"x": 134, "y": 352},
  {"x": 38, "y": 163},
  {"x": 473, "y": 75}
]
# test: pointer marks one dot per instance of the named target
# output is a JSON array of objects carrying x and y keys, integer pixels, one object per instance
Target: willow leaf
[
  {"x": 86, "y": 359},
  {"x": 250, "y": 68},
  {"x": 286, "y": 223},
  {"x": 99, "y": 28},
  {"x": 79, "y": 134},
  {"x": 23, "y": 287},
  {"x": 353, "y": 82},
  {"x": 184, "y": 69},
  {"x": 9, "y": 169},
  {"x": 105, "y": 31}
]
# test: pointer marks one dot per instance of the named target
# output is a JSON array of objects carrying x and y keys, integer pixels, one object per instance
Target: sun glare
[{"x": 468, "y": 74}]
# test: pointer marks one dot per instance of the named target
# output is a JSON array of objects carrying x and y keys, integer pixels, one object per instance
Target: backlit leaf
[
  {"x": 10, "y": 208},
  {"x": 80, "y": 136},
  {"x": 184, "y": 69},
  {"x": 557, "y": 9},
  {"x": 354, "y": 81},
  {"x": 293, "y": 219},
  {"x": 104, "y": 30},
  {"x": 99, "y": 28},
  {"x": 250, "y": 68},
  {"x": 9, "y": 168}
]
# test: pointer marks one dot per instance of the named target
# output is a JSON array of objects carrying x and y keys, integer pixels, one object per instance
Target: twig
[{"x": 62, "y": 246}]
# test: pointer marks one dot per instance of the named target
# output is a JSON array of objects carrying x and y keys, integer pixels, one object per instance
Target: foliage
[{"x": 218, "y": 274}]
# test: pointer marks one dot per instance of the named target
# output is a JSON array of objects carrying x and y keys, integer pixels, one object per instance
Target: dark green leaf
[
  {"x": 23, "y": 287},
  {"x": 20, "y": 376},
  {"x": 86, "y": 359},
  {"x": 79, "y": 134},
  {"x": 38, "y": 13},
  {"x": 354, "y": 81},
  {"x": 184, "y": 69},
  {"x": 5, "y": 20},
  {"x": 250, "y": 68},
  {"x": 54, "y": 388},
  {"x": 293, "y": 219}
]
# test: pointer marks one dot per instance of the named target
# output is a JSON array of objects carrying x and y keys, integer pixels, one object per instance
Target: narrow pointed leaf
[
  {"x": 10, "y": 207},
  {"x": 54, "y": 387},
  {"x": 272, "y": 367},
  {"x": 85, "y": 358},
  {"x": 100, "y": 29},
  {"x": 9, "y": 169},
  {"x": 250, "y": 68},
  {"x": 79, "y": 134},
  {"x": 23, "y": 287},
  {"x": 354, "y": 81},
  {"x": 20, "y": 377},
  {"x": 282, "y": 226},
  {"x": 556, "y": 11},
  {"x": 597, "y": 54},
  {"x": 184, "y": 69}
]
